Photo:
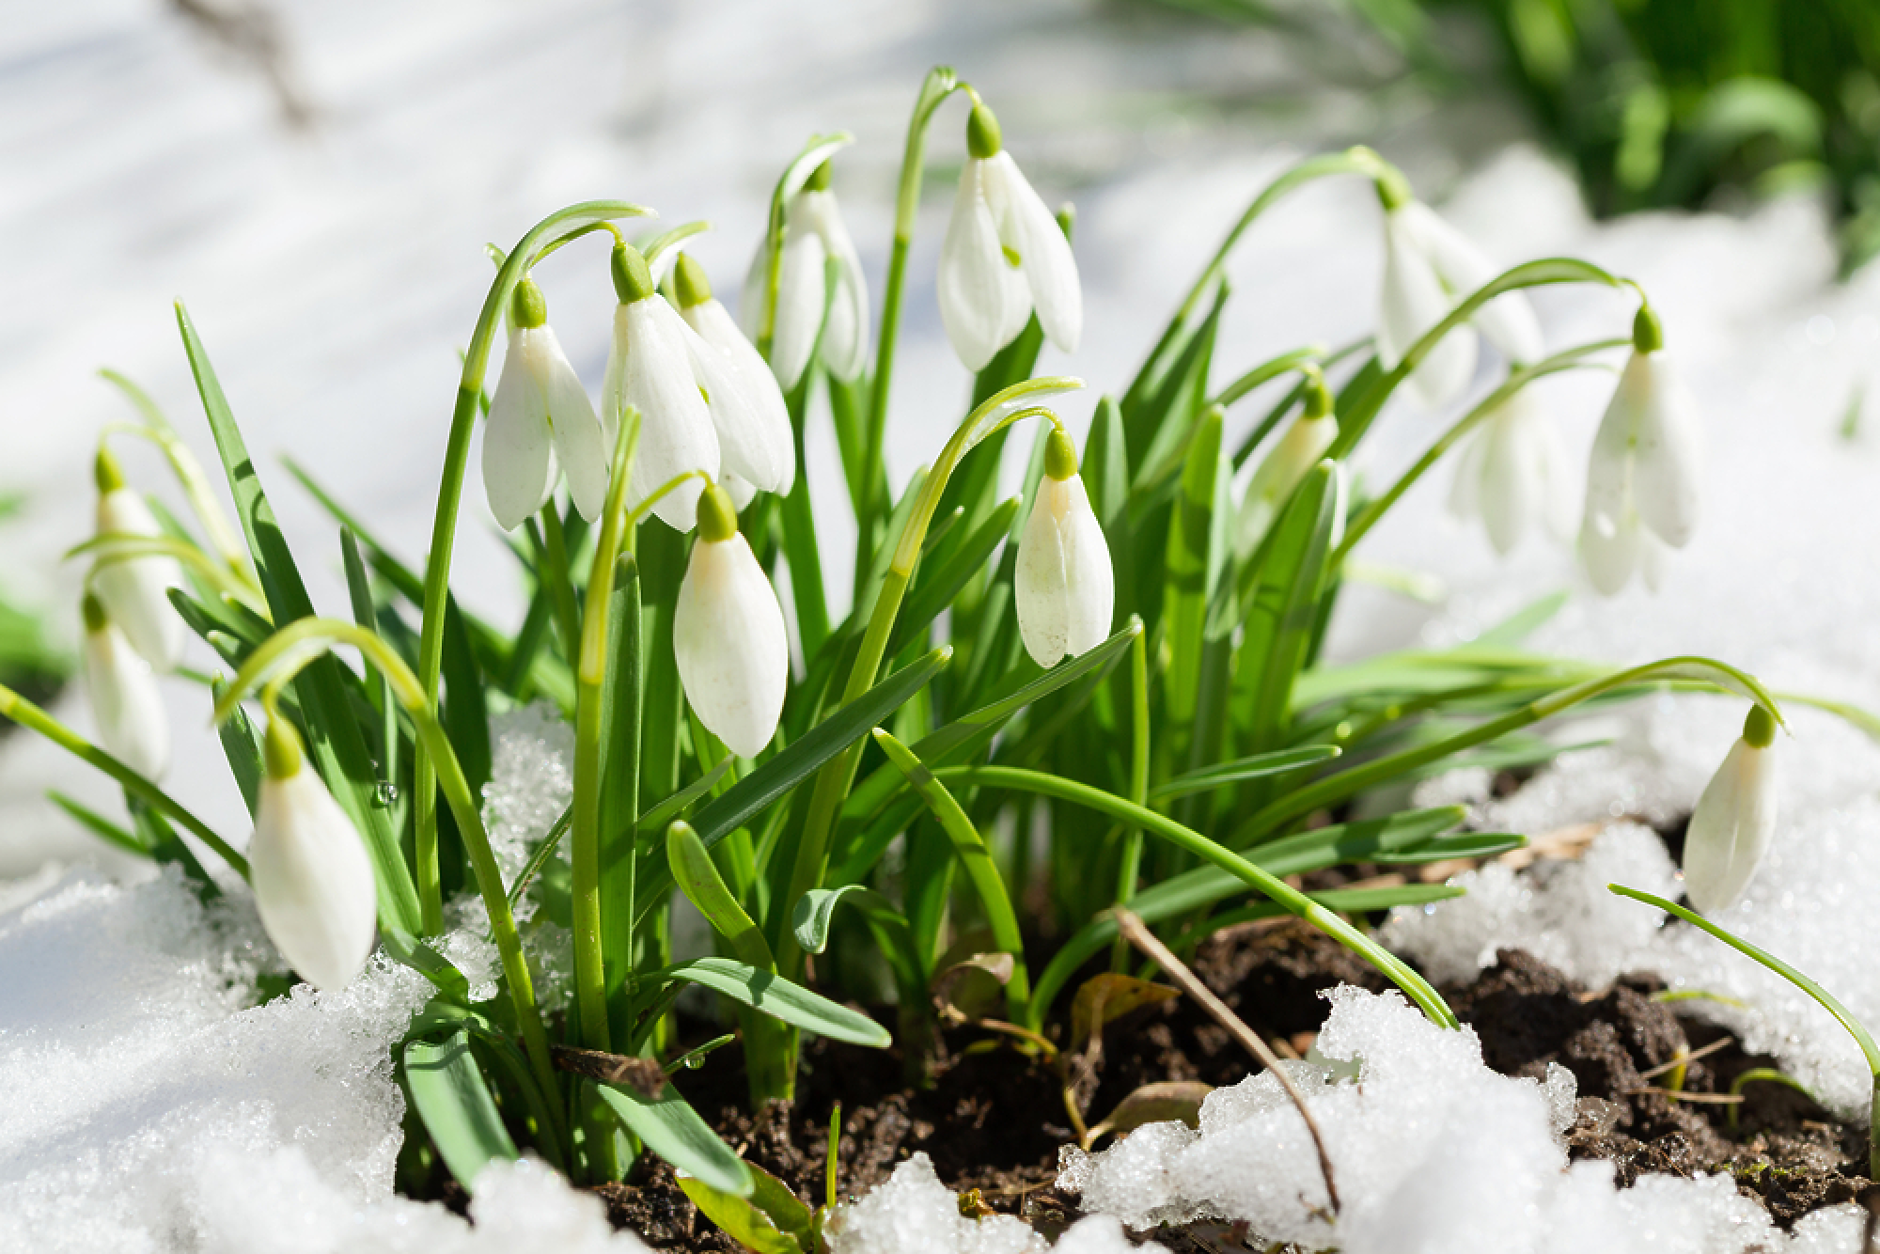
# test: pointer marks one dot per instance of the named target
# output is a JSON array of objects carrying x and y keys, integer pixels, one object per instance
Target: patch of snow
[
  {"x": 913, "y": 1213},
  {"x": 1432, "y": 1151}
]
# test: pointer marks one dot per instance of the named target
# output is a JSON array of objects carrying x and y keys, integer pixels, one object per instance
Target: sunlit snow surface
[{"x": 143, "y": 1108}]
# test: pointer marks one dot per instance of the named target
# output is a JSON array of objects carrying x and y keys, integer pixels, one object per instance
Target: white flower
[
  {"x": 1734, "y": 819},
  {"x": 1429, "y": 267},
  {"x": 728, "y": 636},
  {"x": 541, "y": 423},
  {"x": 1641, "y": 481},
  {"x": 1512, "y": 474},
  {"x": 652, "y": 368},
  {"x": 1271, "y": 484},
  {"x": 135, "y": 592},
  {"x": 755, "y": 442},
  {"x": 312, "y": 880},
  {"x": 125, "y": 703},
  {"x": 1065, "y": 587},
  {"x": 813, "y": 233},
  {"x": 1003, "y": 256}
]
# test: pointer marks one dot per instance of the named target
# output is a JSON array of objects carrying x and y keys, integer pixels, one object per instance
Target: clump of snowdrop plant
[{"x": 1127, "y": 647}]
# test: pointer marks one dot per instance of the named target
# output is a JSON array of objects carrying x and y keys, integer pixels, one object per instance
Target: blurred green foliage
[
  {"x": 28, "y": 663},
  {"x": 1664, "y": 103}
]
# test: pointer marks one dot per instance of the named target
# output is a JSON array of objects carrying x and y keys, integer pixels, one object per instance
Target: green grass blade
[
  {"x": 773, "y": 995},
  {"x": 698, "y": 878},
  {"x": 669, "y": 1127},
  {"x": 454, "y": 1101},
  {"x": 101, "y": 827},
  {"x": 1258, "y": 766},
  {"x": 1289, "y": 578}
]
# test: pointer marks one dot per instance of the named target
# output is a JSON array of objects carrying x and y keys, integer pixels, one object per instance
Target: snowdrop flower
[
  {"x": 813, "y": 234},
  {"x": 135, "y": 593},
  {"x": 1003, "y": 256},
  {"x": 312, "y": 880},
  {"x": 1065, "y": 586},
  {"x": 1269, "y": 486},
  {"x": 541, "y": 423},
  {"x": 125, "y": 702},
  {"x": 652, "y": 367},
  {"x": 1429, "y": 267},
  {"x": 727, "y": 633},
  {"x": 1512, "y": 475},
  {"x": 1641, "y": 481},
  {"x": 1734, "y": 819},
  {"x": 755, "y": 442}
]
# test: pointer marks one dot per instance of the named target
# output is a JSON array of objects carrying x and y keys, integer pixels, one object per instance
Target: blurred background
[{"x": 317, "y": 181}]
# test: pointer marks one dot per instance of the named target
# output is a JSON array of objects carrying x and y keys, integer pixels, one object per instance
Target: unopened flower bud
[
  {"x": 125, "y": 701},
  {"x": 1065, "y": 586},
  {"x": 313, "y": 882},
  {"x": 728, "y": 634},
  {"x": 1731, "y": 827},
  {"x": 541, "y": 424},
  {"x": 135, "y": 592}
]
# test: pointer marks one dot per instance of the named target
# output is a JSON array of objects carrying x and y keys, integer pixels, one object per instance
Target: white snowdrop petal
[
  {"x": 747, "y": 409},
  {"x": 801, "y": 294},
  {"x": 1465, "y": 493},
  {"x": 740, "y": 492},
  {"x": 845, "y": 336},
  {"x": 1511, "y": 477},
  {"x": 751, "y": 299},
  {"x": 1507, "y": 321},
  {"x": 312, "y": 880},
  {"x": 1296, "y": 452},
  {"x": 136, "y": 592},
  {"x": 1413, "y": 301},
  {"x": 1556, "y": 500},
  {"x": 1665, "y": 484},
  {"x": 126, "y": 703},
  {"x": 1610, "y": 557},
  {"x": 1609, "y": 464},
  {"x": 676, "y": 432},
  {"x": 1045, "y": 255},
  {"x": 981, "y": 294},
  {"x": 580, "y": 447},
  {"x": 729, "y": 642},
  {"x": 518, "y": 451},
  {"x": 1064, "y": 586},
  {"x": 1730, "y": 829}
]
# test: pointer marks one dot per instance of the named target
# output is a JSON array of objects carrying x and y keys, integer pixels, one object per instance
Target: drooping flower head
[
  {"x": 1513, "y": 475},
  {"x": 813, "y": 234},
  {"x": 728, "y": 634},
  {"x": 1642, "y": 478},
  {"x": 1004, "y": 256},
  {"x": 312, "y": 880},
  {"x": 135, "y": 591},
  {"x": 1735, "y": 817},
  {"x": 1065, "y": 585},
  {"x": 125, "y": 703},
  {"x": 755, "y": 443},
  {"x": 1295, "y": 453},
  {"x": 651, "y": 368},
  {"x": 541, "y": 425},
  {"x": 1429, "y": 268}
]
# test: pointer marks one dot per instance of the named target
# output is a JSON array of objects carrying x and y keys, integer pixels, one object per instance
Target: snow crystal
[
  {"x": 913, "y": 1213},
  {"x": 1431, "y": 1150},
  {"x": 531, "y": 780}
]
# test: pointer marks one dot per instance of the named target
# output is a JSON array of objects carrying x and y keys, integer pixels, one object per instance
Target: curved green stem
[
  {"x": 1517, "y": 379},
  {"x": 189, "y": 473},
  {"x": 833, "y": 781},
  {"x": 941, "y": 82},
  {"x": 274, "y": 665},
  {"x": 1131, "y": 866},
  {"x": 1822, "y": 997},
  {"x": 1297, "y": 359},
  {"x": 1380, "y": 770},
  {"x": 1355, "y": 421},
  {"x": 1184, "y": 837},
  {"x": 584, "y": 851},
  {"x": 17, "y": 708},
  {"x": 113, "y": 548},
  {"x": 476, "y": 362}
]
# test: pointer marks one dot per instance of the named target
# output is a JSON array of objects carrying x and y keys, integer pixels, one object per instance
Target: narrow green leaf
[
  {"x": 1518, "y": 626},
  {"x": 1257, "y": 766},
  {"x": 454, "y": 1102},
  {"x": 241, "y": 745},
  {"x": 669, "y": 1127},
  {"x": 938, "y": 585},
  {"x": 1196, "y": 556},
  {"x": 741, "y": 1218},
  {"x": 338, "y": 749},
  {"x": 698, "y": 878},
  {"x": 975, "y": 859},
  {"x": 426, "y": 961},
  {"x": 781, "y": 999},
  {"x": 1282, "y": 601},
  {"x": 1466, "y": 845}
]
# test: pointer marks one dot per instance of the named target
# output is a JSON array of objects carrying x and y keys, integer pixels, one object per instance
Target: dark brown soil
[{"x": 994, "y": 1118}]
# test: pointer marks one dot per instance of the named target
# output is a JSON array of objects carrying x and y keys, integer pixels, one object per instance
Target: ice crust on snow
[
  {"x": 913, "y": 1213},
  {"x": 1432, "y": 1152}
]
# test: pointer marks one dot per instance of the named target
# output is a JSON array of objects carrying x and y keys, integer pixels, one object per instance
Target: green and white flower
[
  {"x": 728, "y": 633},
  {"x": 125, "y": 702},
  {"x": 542, "y": 425},
  {"x": 1065, "y": 585}
]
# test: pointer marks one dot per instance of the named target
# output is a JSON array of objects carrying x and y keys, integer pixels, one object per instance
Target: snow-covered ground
[{"x": 142, "y": 1107}]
